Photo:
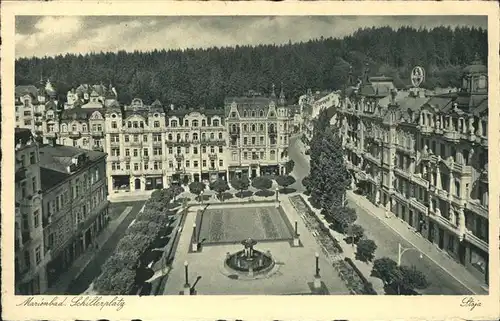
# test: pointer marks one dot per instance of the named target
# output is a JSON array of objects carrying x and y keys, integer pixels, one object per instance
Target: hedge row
[
  {"x": 368, "y": 286},
  {"x": 119, "y": 273}
]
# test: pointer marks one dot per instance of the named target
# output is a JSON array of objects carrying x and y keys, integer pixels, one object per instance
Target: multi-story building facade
[
  {"x": 259, "y": 129},
  {"x": 312, "y": 105},
  {"x": 75, "y": 204},
  {"x": 30, "y": 252},
  {"x": 425, "y": 159},
  {"x": 61, "y": 205},
  {"x": 30, "y": 106},
  {"x": 90, "y": 94}
]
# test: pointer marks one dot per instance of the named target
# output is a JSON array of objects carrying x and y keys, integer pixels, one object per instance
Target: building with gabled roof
[{"x": 424, "y": 158}]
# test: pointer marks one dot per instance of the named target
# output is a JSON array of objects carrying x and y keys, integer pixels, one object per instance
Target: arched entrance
[{"x": 137, "y": 184}]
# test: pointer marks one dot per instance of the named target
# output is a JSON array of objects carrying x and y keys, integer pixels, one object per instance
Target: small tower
[
  {"x": 282, "y": 95},
  {"x": 273, "y": 93}
]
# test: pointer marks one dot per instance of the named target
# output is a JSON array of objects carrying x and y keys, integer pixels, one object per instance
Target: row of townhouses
[
  {"x": 60, "y": 207},
  {"x": 153, "y": 146},
  {"x": 425, "y": 159}
]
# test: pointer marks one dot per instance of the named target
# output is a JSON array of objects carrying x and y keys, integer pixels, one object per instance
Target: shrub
[
  {"x": 285, "y": 181},
  {"x": 240, "y": 184},
  {"x": 262, "y": 183},
  {"x": 219, "y": 186},
  {"x": 196, "y": 188},
  {"x": 366, "y": 250}
]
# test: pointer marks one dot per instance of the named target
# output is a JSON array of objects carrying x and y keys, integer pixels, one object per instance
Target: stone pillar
[
  {"x": 194, "y": 245},
  {"x": 438, "y": 178},
  {"x": 452, "y": 185},
  {"x": 187, "y": 286}
]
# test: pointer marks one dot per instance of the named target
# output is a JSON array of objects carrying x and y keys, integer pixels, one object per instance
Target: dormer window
[
  {"x": 253, "y": 113},
  {"x": 215, "y": 122},
  {"x": 271, "y": 114},
  {"x": 245, "y": 113},
  {"x": 74, "y": 128},
  {"x": 261, "y": 113},
  {"x": 173, "y": 123},
  {"x": 186, "y": 123},
  {"x": 156, "y": 124},
  {"x": 233, "y": 114},
  {"x": 203, "y": 123},
  {"x": 195, "y": 123}
]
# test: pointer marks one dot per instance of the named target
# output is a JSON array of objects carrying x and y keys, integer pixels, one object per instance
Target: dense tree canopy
[{"x": 195, "y": 77}]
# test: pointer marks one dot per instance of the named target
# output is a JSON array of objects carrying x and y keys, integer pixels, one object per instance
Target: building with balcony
[
  {"x": 30, "y": 251},
  {"x": 30, "y": 106},
  {"x": 75, "y": 205},
  {"x": 90, "y": 96},
  {"x": 258, "y": 128},
  {"x": 311, "y": 105},
  {"x": 425, "y": 159},
  {"x": 61, "y": 205}
]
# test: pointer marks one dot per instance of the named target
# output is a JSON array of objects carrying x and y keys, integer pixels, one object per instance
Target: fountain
[{"x": 249, "y": 261}]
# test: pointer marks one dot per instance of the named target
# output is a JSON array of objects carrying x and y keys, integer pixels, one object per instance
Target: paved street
[
  {"x": 93, "y": 269},
  {"x": 301, "y": 168},
  {"x": 386, "y": 238}
]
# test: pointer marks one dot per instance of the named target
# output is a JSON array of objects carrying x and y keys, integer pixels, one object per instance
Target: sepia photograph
[{"x": 160, "y": 156}]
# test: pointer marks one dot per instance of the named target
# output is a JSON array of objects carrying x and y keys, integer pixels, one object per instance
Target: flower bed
[
  {"x": 350, "y": 277},
  {"x": 367, "y": 286},
  {"x": 324, "y": 236}
]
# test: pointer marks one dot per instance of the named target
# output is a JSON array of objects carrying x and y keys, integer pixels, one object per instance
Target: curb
[{"x": 403, "y": 237}]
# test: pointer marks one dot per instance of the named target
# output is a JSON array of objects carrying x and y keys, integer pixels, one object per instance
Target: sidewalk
[
  {"x": 350, "y": 252},
  {"x": 453, "y": 268},
  {"x": 81, "y": 262}
]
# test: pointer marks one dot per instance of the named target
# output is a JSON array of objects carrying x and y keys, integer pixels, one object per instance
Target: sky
[{"x": 41, "y": 36}]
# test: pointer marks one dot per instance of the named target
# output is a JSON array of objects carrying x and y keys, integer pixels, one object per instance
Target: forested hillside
[{"x": 196, "y": 77}]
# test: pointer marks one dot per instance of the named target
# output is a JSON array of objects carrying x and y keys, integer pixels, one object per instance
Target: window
[
  {"x": 136, "y": 166},
  {"x": 187, "y": 163},
  {"x": 145, "y": 138},
  {"x": 273, "y": 155},
  {"x": 178, "y": 137},
  {"x": 195, "y": 136},
  {"x": 32, "y": 158},
  {"x": 179, "y": 150},
  {"x": 221, "y": 149},
  {"x": 245, "y": 140},
  {"x": 253, "y": 127},
  {"x": 156, "y": 124},
  {"x": 136, "y": 138},
  {"x": 203, "y": 149},
  {"x": 156, "y": 137},
  {"x": 203, "y": 136},
  {"x": 157, "y": 165},
  {"x": 171, "y": 164},
  {"x": 173, "y": 123},
  {"x": 34, "y": 185},
  {"x": 195, "y": 150},
  {"x": 127, "y": 152},
  {"x": 220, "y": 135},
  {"x": 136, "y": 152},
  {"x": 146, "y": 166},
  {"x": 212, "y": 149},
  {"x": 253, "y": 140},
  {"x": 187, "y": 150},
  {"x": 170, "y": 150},
  {"x": 221, "y": 162},
  {"x": 27, "y": 122},
  {"x": 74, "y": 128},
  {"x": 245, "y": 128},
  {"x": 115, "y": 138},
  {"x": 38, "y": 255},
  {"x": 233, "y": 114},
  {"x": 186, "y": 123},
  {"x": 146, "y": 152},
  {"x": 203, "y": 123},
  {"x": 215, "y": 122},
  {"x": 234, "y": 156},
  {"x": 84, "y": 127},
  {"x": 113, "y": 124},
  {"x": 195, "y": 123},
  {"x": 261, "y": 127},
  {"x": 127, "y": 138},
  {"x": 157, "y": 151},
  {"x": 127, "y": 166},
  {"x": 212, "y": 136},
  {"x": 261, "y": 139},
  {"x": 36, "y": 218},
  {"x": 186, "y": 137},
  {"x": 261, "y": 155},
  {"x": 253, "y": 113},
  {"x": 204, "y": 163},
  {"x": 195, "y": 164},
  {"x": 245, "y": 155}
]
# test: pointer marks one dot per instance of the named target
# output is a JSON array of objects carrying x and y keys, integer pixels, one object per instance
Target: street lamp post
[
  {"x": 194, "y": 246},
  {"x": 317, "y": 277},
  {"x": 187, "y": 287},
  {"x": 402, "y": 250},
  {"x": 317, "y": 264}
]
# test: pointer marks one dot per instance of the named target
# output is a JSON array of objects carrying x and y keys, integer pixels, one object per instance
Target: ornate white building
[{"x": 425, "y": 159}]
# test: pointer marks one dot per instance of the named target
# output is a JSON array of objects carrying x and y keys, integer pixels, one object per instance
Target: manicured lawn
[{"x": 236, "y": 224}]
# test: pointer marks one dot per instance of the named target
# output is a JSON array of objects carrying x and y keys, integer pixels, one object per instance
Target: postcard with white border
[{"x": 251, "y": 161}]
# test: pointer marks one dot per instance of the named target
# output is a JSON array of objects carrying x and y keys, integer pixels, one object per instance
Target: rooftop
[{"x": 54, "y": 162}]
